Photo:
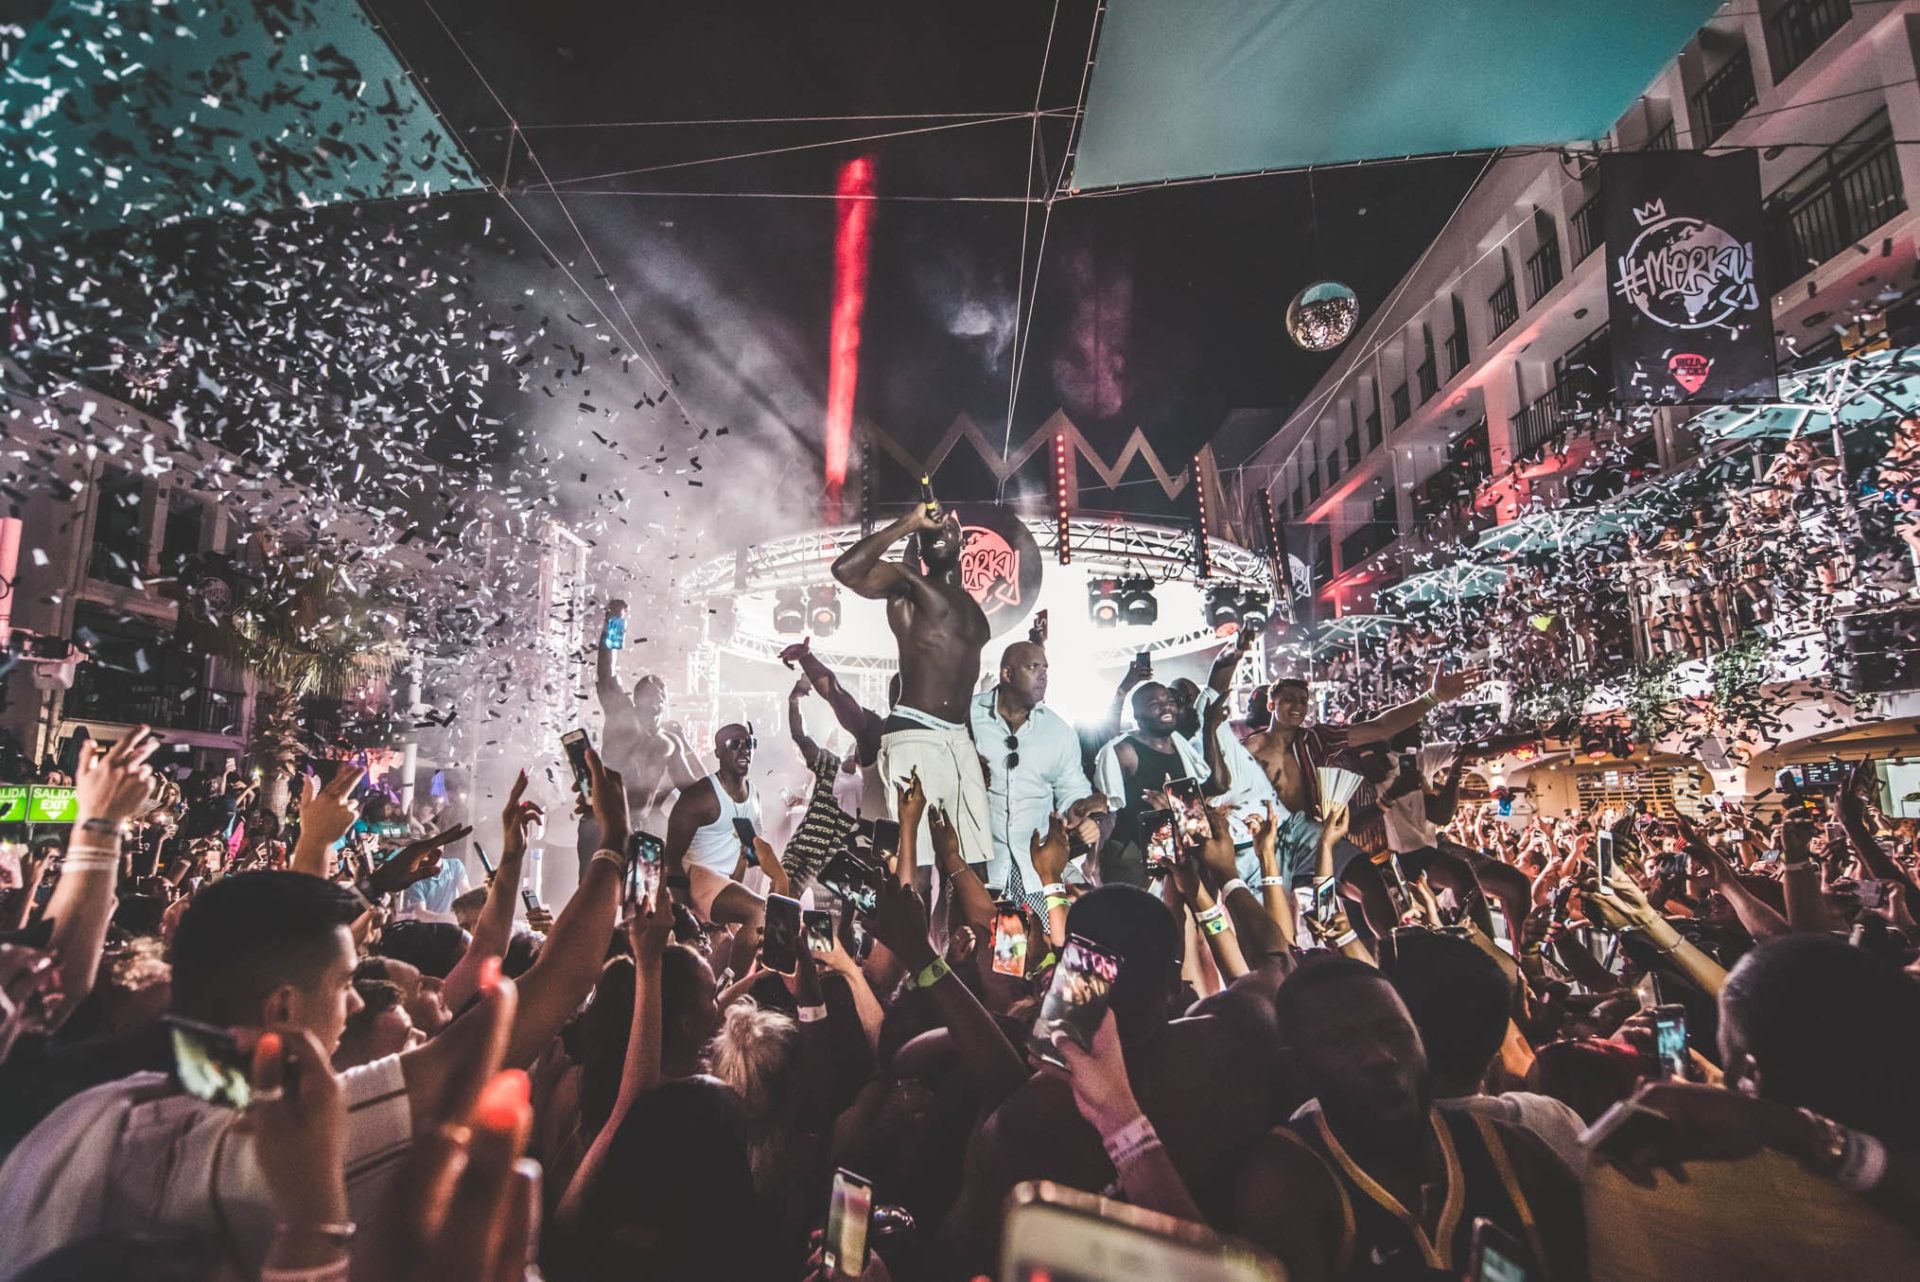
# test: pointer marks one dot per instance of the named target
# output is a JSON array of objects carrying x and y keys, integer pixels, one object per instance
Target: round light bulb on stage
[
  {"x": 1139, "y": 608},
  {"x": 1103, "y": 602},
  {"x": 789, "y": 611},
  {"x": 1223, "y": 609},
  {"x": 823, "y": 609},
  {"x": 1322, "y": 316}
]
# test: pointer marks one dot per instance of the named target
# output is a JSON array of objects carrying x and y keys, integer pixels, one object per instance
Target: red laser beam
[{"x": 852, "y": 241}]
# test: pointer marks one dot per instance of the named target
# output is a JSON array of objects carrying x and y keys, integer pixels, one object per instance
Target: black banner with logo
[{"x": 1686, "y": 293}]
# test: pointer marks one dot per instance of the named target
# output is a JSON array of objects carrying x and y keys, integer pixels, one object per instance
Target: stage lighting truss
[
  {"x": 1106, "y": 546},
  {"x": 789, "y": 611},
  {"x": 823, "y": 609}
]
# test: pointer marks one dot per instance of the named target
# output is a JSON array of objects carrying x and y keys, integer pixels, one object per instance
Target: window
[{"x": 117, "y": 555}]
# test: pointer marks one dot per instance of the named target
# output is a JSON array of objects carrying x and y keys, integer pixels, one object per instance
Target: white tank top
[{"x": 716, "y": 847}]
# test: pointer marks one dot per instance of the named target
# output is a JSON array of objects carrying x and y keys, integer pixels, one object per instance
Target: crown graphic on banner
[
  {"x": 965, "y": 431},
  {"x": 1650, "y": 212}
]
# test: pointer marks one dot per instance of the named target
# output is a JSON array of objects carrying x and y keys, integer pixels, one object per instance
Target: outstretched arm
[
  {"x": 797, "y": 727},
  {"x": 863, "y": 568},
  {"x": 110, "y": 788},
  {"x": 613, "y": 700},
  {"x": 1446, "y": 687},
  {"x": 853, "y": 718},
  {"x": 493, "y": 929},
  {"x": 1442, "y": 805}
]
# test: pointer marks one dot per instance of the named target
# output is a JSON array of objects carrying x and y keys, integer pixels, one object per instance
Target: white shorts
[{"x": 949, "y": 769}]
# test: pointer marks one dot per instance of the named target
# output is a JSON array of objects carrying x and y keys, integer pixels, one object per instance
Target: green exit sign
[
  {"x": 52, "y": 805},
  {"x": 13, "y": 804}
]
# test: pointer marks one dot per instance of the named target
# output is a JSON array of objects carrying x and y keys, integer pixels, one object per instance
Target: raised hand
[
  {"x": 899, "y": 921},
  {"x": 1448, "y": 686},
  {"x": 1336, "y": 820},
  {"x": 946, "y": 840},
  {"x": 801, "y": 689},
  {"x": 1265, "y": 830},
  {"x": 298, "y": 1120},
  {"x": 415, "y": 861},
  {"x": 1216, "y": 853},
  {"x": 911, "y": 800},
  {"x": 1101, "y": 1089},
  {"x": 517, "y": 819},
  {"x": 796, "y": 652},
  {"x": 650, "y": 928},
  {"x": 1049, "y": 852},
  {"x": 327, "y": 811},
  {"x": 609, "y": 806},
  {"x": 116, "y": 785}
]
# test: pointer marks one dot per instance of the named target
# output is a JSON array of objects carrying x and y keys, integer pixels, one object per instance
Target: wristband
[
  {"x": 930, "y": 974},
  {"x": 340, "y": 1234},
  {"x": 1351, "y": 937},
  {"x": 1266, "y": 882},
  {"x": 1053, "y": 890},
  {"x": 1229, "y": 888},
  {"x": 333, "y": 1271},
  {"x": 1216, "y": 925},
  {"x": 1428, "y": 701},
  {"x": 1214, "y": 913},
  {"x": 1058, "y": 901},
  {"x": 613, "y": 857},
  {"x": 1130, "y": 1141},
  {"x": 105, "y": 827},
  {"x": 812, "y": 1014}
]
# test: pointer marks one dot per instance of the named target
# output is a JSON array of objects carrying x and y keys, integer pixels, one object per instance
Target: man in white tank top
[{"x": 707, "y": 851}]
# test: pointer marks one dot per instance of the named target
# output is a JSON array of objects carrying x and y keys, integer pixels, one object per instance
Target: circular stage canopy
[{"x": 770, "y": 595}]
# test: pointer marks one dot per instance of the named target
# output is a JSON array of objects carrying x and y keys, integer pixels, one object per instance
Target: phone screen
[
  {"x": 819, "y": 923},
  {"x": 1077, "y": 1001},
  {"x": 1603, "y": 854},
  {"x": 1161, "y": 848},
  {"x": 615, "y": 637},
  {"x": 1009, "y": 939},
  {"x": 843, "y": 1248},
  {"x": 643, "y": 864},
  {"x": 854, "y": 879},
  {"x": 576, "y": 743},
  {"x": 1670, "y": 1040},
  {"x": 744, "y": 827},
  {"x": 209, "y": 1063},
  {"x": 1497, "y": 1257},
  {"x": 886, "y": 838},
  {"x": 780, "y": 945},
  {"x": 1143, "y": 661},
  {"x": 1326, "y": 900},
  {"x": 1194, "y": 827}
]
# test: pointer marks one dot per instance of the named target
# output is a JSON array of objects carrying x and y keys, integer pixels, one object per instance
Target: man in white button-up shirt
[{"x": 1033, "y": 768}]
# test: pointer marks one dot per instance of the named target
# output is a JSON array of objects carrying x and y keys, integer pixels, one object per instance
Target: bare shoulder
[{"x": 699, "y": 802}]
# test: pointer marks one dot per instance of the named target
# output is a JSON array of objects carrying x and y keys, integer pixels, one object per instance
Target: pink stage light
[{"x": 852, "y": 242}]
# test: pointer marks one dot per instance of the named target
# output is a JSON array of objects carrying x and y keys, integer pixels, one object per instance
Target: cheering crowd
[
  {"x": 1275, "y": 978},
  {"x": 1778, "y": 556}
]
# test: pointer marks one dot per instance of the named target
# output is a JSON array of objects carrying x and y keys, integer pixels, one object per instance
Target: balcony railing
[
  {"x": 103, "y": 695},
  {"x": 1725, "y": 97},
  {"x": 1589, "y": 227},
  {"x": 1543, "y": 269},
  {"x": 1402, "y": 404},
  {"x": 1800, "y": 27},
  {"x": 1456, "y": 352},
  {"x": 1860, "y": 191},
  {"x": 1538, "y": 423},
  {"x": 1661, "y": 139},
  {"x": 1503, "y": 308},
  {"x": 1427, "y": 377}
]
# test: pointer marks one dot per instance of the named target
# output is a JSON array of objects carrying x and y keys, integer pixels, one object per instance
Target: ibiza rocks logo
[
  {"x": 990, "y": 570},
  {"x": 1685, "y": 273}
]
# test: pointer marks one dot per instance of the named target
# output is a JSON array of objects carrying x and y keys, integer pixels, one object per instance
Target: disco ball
[{"x": 1322, "y": 316}]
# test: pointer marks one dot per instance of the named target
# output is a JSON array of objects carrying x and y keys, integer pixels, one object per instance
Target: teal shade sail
[
  {"x": 134, "y": 112},
  {"x": 1192, "y": 88}
]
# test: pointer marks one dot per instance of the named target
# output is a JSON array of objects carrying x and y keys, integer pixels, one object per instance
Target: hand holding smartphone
[
  {"x": 780, "y": 942},
  {"x": 1077, "y": 1001},
  {"x": 819, "y": 930},
  {"x": 576, "y": 743},
  {"x": 1009, "y": 939},
  {"x": 843, "y": 1247}
]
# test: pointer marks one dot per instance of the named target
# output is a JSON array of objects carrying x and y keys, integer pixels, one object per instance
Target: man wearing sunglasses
[
  {"x": 1033, "y": 771},
  {"x": 709, "y": 835}
]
